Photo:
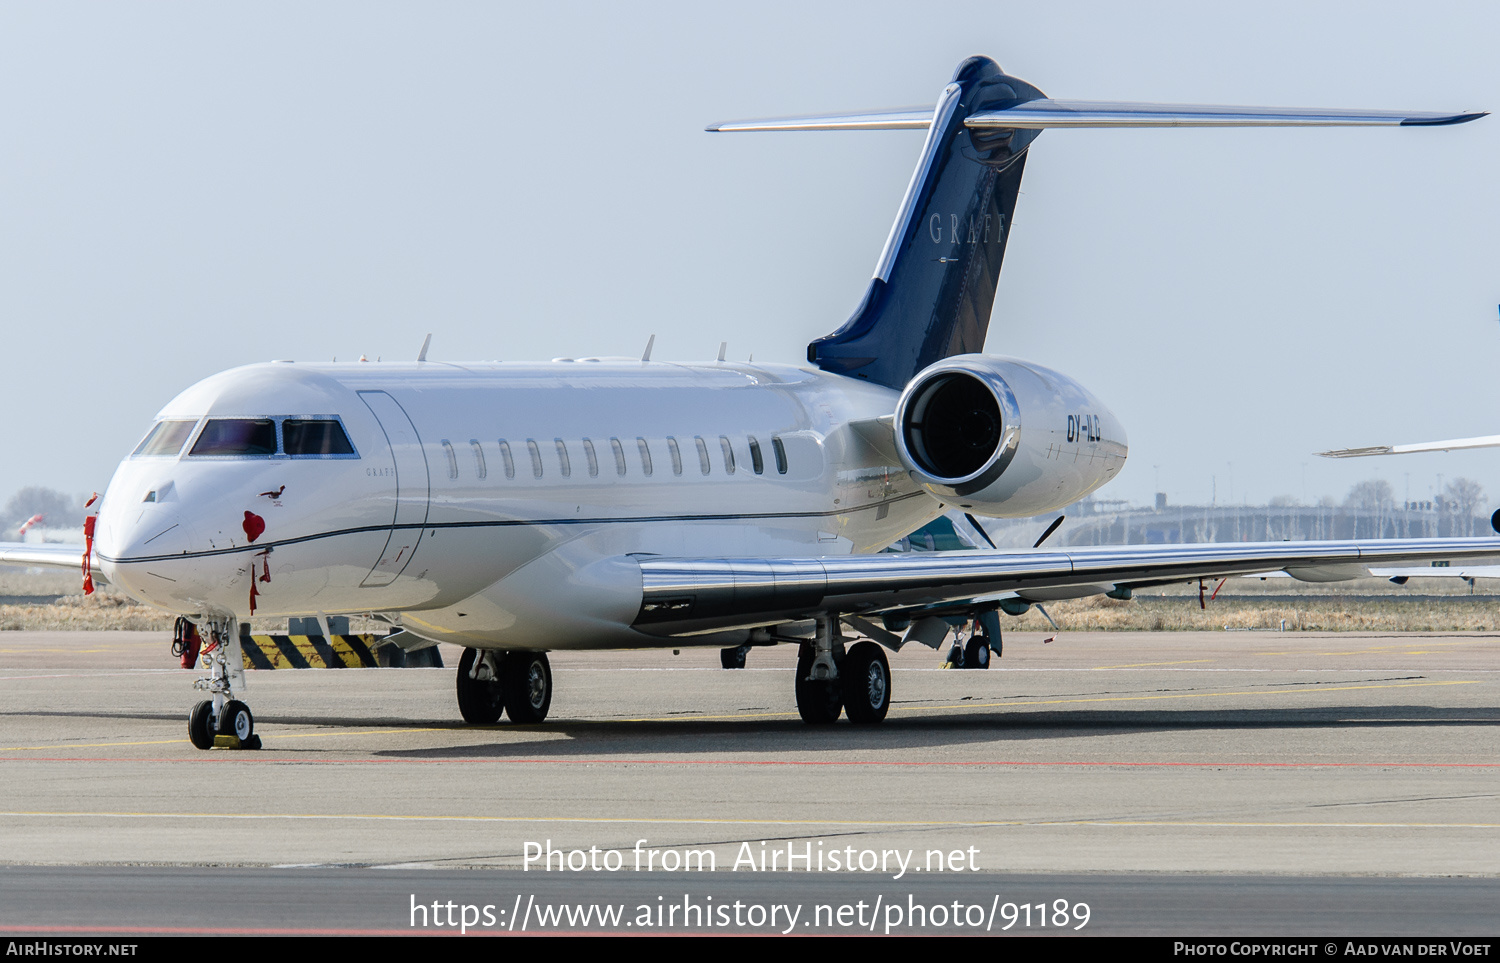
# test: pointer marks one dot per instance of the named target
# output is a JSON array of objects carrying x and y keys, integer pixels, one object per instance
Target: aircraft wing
[
  {"x": 42, "y": 555},
  {"x": 686, "y": 596},
  {"x": 1452, "y": 444},
  {"x": 46, "y": 555}
]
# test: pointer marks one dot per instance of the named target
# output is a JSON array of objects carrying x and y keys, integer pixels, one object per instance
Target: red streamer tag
[{"x": 88, "y": 551}]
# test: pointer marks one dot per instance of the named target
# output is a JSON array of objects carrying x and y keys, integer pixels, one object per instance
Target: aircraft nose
[
  {"x": 147, "y": 532},
  {"x": 133, "y": 550}
]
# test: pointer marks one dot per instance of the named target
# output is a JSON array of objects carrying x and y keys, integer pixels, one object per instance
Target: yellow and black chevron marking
[{"x": 310, "y": 651}]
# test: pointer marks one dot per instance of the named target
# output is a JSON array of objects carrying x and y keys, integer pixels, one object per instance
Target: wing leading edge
[{"x": 684, "y": 596}]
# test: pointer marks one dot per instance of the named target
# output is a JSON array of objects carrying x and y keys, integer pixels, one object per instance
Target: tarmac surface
[{"x": 1177, "y": 783}]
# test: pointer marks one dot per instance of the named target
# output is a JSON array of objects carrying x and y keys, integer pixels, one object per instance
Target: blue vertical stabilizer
[{"x": 935, "y": 284}]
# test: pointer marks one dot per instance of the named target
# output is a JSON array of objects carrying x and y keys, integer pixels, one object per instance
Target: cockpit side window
[
  {"x": 237, "y": 436},
  {"x": 165, "y": 438},
  {"x": 315, "y": 436}
]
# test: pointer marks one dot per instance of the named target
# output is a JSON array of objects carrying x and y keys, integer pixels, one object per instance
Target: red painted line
[
  {"x": 269, "y": 759},
  {"x": 225, "y": 930},
  {"x": 106, "y": 932}
]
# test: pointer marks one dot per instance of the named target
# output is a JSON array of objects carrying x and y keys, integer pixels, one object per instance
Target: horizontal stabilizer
[
  {"x": 1452, "y": 444},
  {"x": 900, "y": 118},
  {"x": 1045, "y": 113},
  {"x": 1038, "y": 114}
]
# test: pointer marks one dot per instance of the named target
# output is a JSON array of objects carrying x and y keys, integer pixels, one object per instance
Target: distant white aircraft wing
[
  {"x": 685, "y": 596},
  {"x": 1452, "y": 444},
  {"x": 1404, "y": 572}
]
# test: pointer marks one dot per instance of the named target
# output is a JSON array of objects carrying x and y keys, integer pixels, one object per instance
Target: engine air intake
[{"x": 954, "y": 426}]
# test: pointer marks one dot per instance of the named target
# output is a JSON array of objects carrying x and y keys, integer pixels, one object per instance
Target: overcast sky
[{"x": 189, "y": 187}]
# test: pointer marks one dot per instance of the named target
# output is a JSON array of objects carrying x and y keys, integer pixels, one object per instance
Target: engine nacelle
[{"x": 1005, "y": 438}]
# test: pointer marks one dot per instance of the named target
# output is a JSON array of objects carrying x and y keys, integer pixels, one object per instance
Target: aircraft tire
[
  {"x": 977, "y": 653},
  {"x": 200, "y": 725},
  {"x": 734, "y": 657},
  {"x": 819, "y": 702},
  {"x": 866, "y": 678},
  {"x": 237, "y": 721},
  {"x": 480, "y": 703},
  {"x": 526, "y": 682}
]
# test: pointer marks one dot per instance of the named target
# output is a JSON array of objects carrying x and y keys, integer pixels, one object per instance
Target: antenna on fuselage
[
  {"x": 723, "y": 347},
  {"x": 650, "y": 343},
  {"x": 426, "y": 342}
]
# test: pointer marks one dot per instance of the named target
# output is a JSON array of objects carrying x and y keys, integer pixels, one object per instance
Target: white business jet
[{"x": 606, "y": 503}]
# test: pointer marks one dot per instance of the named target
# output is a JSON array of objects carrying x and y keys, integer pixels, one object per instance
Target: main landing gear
[
  {"x": 518, "y": 684},
  {"x": 222, "y": 721},
  {"x": 974, "y": 654},
  {"x": 830, "y": 680}
]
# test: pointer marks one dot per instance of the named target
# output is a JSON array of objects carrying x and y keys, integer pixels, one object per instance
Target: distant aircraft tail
[{"x": 934, "y": 285}]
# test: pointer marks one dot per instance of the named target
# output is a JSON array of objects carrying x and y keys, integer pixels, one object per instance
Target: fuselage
[{"x": 498, "y": 505}]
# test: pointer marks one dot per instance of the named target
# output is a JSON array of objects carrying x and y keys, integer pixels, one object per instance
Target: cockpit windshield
[
  {"x": 165, "y": 438},
  {"x": 295, "y": 436},
  {"x": 315, "y": 436},
  {"x": 237, "y": 436}
]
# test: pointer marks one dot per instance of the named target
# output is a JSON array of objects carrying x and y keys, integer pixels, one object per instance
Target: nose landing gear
[{"x": 222, "y": 721}]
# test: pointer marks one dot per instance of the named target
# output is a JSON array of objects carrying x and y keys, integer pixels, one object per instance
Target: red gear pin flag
[
  {"x": 88, "y": 545},
  {"x": 266, "y": 577}
]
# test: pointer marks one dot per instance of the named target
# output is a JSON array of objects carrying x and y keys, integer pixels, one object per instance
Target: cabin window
[
  {"x": 703, "y": 463},
  {"x": 237, "y": 436},
  {"x": 562, "y": 457},
  {"x": 676, "y": 455},
  {"x": 314, "y": 436},
  {"x": 479, "y": 467},
  {"x": 593, "y": 459},
  {"x": 536, "y": 457},
  {"x": 780, "y": 451},
  {"x": 452, "y": 458},
  {"x": 645, "y": 455},
  {"x": 728, "y": 451},
  {"x": 506, "y": 459},
  {"x": 619, "y": 456},
  {"x": 165, "y": 438},
  {"x": 757, "y": 463}
]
